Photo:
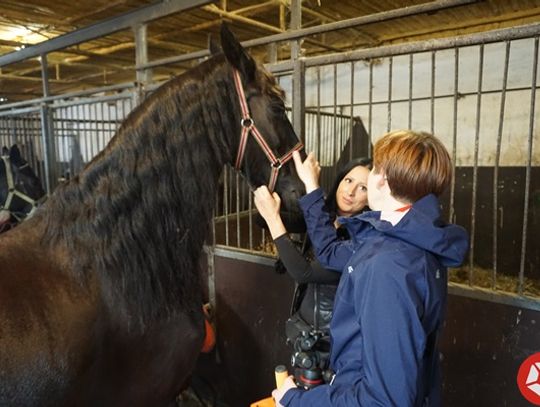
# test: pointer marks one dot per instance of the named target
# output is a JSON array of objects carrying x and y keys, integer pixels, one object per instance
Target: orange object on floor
[
  {"x": 267, "y": 402},
  {"x": 281, "y": 374},
  {"x": 209, "y": 334}
]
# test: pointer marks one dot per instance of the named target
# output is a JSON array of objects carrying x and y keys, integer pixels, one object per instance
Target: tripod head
[{"x": 310, "y": 358}]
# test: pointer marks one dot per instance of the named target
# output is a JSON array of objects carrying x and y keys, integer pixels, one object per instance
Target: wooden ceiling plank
[
  {"x": 212, "y": 8},
  {"x": 370, "y": 39},
  {"x": 24, "y": 78},
  {"x": 88, "y": 15},
  {"x": 477, "y": 24},
  {"x": 102, "y": 28}
]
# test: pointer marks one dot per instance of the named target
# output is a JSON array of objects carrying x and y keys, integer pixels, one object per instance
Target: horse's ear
[
  {"x": 15, "y": 154},
  {"x": 237, "y": 55},
  {"x": 213, "y": 46}
]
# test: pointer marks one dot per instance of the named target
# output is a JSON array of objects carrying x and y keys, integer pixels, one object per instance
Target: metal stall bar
[
  {"x": 390, "y": 72},
  {"x": 411, "y": 61},
  {"x": 370, "y": 100},
  {"x": 432, "y": 97},
  {"x": 496, "y": 167},
  {"x": 143, "y": 76},
  {"x": 79, "y": 112},
  {"x": 454, "y": 135},
  {"x": 46, "y": 130},
  {"x": 318, "y": 144},
  {"x": 62, "y": 142},
  {"x": 250, "y": 221},
  {"x": 295, "y": 7},
  {"x": 334, "y": 141},
  {"x": 226, "y": 174},
  {"x": 103, "y": 89},
  {"x": 351, "y": 124},
  {"x": 237, "y": 195},
  {"x": 103, "y": 137},
  {"x": 298, "y": 99},
  {"x": 528, "y": 169},
  {"x": 4, "y": 133},
  {"x": 475, "y": 163},
  {"x": 13, "y": 112}
]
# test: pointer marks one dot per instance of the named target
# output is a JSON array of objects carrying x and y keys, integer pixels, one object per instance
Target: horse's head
[
  {"x": 20, "y": 188},
  {"x": 266, "y": 138}
]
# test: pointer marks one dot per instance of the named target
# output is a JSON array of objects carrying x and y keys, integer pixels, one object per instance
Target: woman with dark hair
[
  {"x": 337, "y": 209},
  {"x": 307, "y": 328}
]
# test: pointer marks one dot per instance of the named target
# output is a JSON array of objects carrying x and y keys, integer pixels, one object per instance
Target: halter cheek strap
[
  {"x": 249, "y": 127},
  {"x": 12, "y": 192}
]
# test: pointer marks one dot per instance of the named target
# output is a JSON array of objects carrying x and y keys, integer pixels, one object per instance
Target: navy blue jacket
[{"x": 389, "y": 306}]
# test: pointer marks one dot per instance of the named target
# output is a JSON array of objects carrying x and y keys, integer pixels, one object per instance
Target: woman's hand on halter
[
  {"x": 268, "y": 205},
  {"x": 308, "y": 171}
]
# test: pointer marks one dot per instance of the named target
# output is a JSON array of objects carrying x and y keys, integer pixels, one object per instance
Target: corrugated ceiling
[{"x": 111, "y": 59}]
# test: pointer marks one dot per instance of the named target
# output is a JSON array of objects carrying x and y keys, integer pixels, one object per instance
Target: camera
[{"x": 311, "y": 352}]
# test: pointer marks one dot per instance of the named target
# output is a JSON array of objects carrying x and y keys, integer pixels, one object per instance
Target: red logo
[{"x": 528, "y": 379}]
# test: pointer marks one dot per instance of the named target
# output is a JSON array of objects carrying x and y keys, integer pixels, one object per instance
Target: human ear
[{"x": 381, "y": 179}]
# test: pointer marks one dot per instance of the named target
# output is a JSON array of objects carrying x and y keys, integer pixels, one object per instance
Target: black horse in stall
[
  {"x": 20, "y": 188},
  {"x": 100, "y": 294}
]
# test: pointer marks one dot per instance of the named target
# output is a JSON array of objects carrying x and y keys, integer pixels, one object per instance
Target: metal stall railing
[
  {"x": 478, "y": 94},
  {"x": 22, "y": 126},
  {"x": 82, "y": 125}
]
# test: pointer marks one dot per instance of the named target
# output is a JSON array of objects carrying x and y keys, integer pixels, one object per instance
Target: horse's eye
[{"x": 277, "y": 108}]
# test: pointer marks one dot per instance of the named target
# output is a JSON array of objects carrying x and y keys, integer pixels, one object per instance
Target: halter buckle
[
  {"x": 276, "y": 164},
  {"x": 246, "y": 122}
]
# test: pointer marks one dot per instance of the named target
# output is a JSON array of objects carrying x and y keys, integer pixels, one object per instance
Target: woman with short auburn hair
[
  {"x": 391, "y": 299},
  {"x": 406, "y": 157}
]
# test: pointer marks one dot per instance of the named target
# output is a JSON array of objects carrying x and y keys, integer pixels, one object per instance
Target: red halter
[{"x": 248, "y": 126}]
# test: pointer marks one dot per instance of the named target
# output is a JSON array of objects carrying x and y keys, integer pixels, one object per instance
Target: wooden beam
[{"x": 124, "y": 21}]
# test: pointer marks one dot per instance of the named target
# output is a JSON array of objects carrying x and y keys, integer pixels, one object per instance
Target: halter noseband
[
  {"x": 248, "y": 127},
  {"x": 12, "y": 192}
]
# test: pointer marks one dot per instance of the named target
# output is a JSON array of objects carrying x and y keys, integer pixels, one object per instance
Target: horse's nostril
[{"x": 294, "y": 192}]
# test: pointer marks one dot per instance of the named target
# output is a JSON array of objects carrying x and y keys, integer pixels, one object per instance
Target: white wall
[
  {"x": 517, "y": 115},
  {"x": 90, "y": 124}
]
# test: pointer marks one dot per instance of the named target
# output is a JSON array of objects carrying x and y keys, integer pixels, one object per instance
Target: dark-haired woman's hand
[{"x": 268, "y": 205}]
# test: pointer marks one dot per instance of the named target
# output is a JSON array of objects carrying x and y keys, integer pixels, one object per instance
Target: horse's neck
[
  {"x": 139, "y": 213},
  {"x": 199, "y": 144}
]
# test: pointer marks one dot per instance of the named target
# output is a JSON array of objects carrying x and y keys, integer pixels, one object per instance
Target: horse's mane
[{"x": 138, "y": 214}]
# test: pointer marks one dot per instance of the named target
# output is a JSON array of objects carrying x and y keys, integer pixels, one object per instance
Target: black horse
[
  {"x": 20, "y": 188},
  {"x": 100, "y": 294}
]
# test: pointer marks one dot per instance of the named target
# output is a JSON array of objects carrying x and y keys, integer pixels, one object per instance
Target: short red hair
[{"x": 415, "y": 164}]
